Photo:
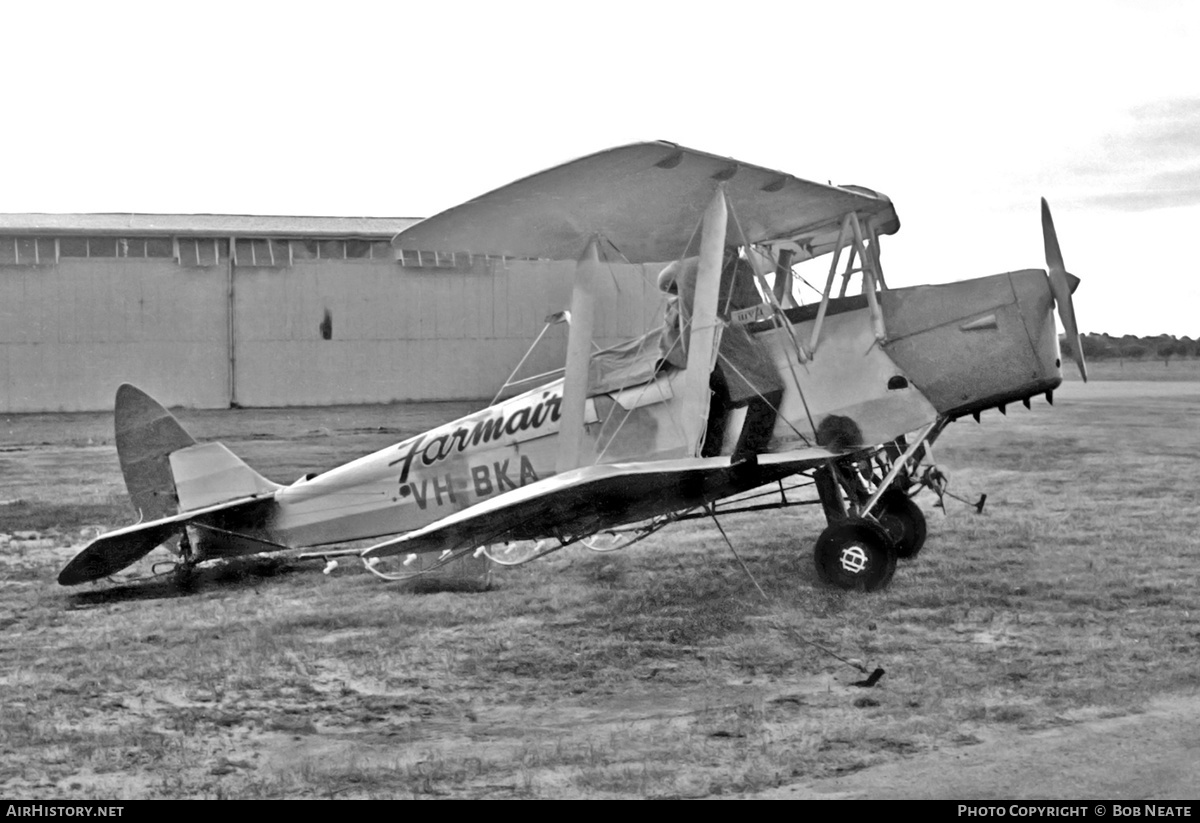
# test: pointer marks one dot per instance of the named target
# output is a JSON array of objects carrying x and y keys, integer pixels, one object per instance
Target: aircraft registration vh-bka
[{"x": 743, "y": 399}]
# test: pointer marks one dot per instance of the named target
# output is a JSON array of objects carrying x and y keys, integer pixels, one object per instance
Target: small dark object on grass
[{"x": 870, "y": 681}]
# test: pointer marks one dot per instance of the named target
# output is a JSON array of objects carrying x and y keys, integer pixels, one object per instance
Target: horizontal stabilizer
[
  {"x": 210, "y": 473},
  {"x": 111, "y": 552},
  {"x": 582, "y": 501},
  {"x": 116, "y": 550}
]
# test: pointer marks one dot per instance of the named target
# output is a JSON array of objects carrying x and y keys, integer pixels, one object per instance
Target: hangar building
[{"x": 212, "y": 311}]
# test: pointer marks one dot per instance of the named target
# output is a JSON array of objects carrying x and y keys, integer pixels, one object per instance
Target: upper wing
[
  {"x": 646, "y": 199},
  {"x": 111, "y": 552},
  {"x": 582, "y": 501}
]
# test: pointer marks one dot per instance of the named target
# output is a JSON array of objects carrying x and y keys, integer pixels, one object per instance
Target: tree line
[{"x": 1164, "y": 347}]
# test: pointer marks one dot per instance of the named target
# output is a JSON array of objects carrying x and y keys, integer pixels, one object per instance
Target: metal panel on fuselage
[
  {"x": 976, "y": 343},
  {"x": 848, "y": 376}
]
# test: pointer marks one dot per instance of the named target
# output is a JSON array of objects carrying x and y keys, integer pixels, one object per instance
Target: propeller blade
[
  {"x": 1062, "y": 285},
  {"x": 1050, "y": 239}
]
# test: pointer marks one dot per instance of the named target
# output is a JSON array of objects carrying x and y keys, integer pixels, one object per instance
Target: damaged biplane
[{"x": 741, "y": 389}]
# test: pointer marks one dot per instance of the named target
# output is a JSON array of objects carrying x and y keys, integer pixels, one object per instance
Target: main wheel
[
  {"x": 856, "y": 554},
  {"x": 904, "y": 522}
]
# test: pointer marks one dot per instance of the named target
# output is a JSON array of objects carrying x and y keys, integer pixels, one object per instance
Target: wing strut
[
  {"x": 852, "y": 232},
  {"x": 579, "y": 352},
  {"x": 702, "y": 343}
]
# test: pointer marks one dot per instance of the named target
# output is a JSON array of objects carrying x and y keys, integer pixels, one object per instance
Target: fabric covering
[
  {"x": 646, "y": 200},
  {"x": 625, "y": 365}
]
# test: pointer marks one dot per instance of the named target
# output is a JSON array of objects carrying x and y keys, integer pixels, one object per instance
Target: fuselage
[{"x": 951, "y": 350}]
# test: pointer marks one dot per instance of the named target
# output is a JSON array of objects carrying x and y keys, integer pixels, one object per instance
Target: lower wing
[{"x": 585, "y": 500}]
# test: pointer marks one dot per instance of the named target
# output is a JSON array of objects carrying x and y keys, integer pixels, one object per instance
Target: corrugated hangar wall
[
  {"x": 70, "y": 333},
  {"x": 399, "y": 333},
  {"x": 320, "y": 332}
]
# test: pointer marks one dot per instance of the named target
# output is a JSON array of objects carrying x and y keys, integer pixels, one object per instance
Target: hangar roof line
[{"x": 207, "y": 225}]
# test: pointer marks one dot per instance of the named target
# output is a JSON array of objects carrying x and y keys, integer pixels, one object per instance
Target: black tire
[
  {"x": 856, "y": 554},
  {"x": 904, "y": 522}
]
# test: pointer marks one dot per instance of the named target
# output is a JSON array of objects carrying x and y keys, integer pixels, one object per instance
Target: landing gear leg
[
  {"x": 187, "y": 563},
  {"x": 901, "y": 469},
  {"x": 872, "y": 521},
  {"x": 830, "y": 494}
]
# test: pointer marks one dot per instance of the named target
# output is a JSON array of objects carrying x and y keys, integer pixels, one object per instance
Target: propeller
[{"x": 1062, "y": 286}]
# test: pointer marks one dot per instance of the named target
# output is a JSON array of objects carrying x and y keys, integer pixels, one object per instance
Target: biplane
[{"x": 742, "y": 388}]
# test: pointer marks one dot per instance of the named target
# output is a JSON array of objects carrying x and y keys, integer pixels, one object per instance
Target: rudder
[{"x": 146, "y": 434}]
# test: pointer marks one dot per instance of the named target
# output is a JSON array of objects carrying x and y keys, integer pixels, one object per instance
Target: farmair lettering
[{"x": 434, "y": 448}]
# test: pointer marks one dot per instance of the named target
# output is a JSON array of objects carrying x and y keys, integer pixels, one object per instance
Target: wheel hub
[{"x": 853, "y": 559}]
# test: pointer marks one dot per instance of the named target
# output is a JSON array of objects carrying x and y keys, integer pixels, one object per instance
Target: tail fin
[
  {"x": 146, "y": 434},
  {"x": 166, "y": 471}
]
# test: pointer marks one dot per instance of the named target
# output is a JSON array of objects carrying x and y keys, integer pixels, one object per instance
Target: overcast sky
[{"x": 963, "y": 113}]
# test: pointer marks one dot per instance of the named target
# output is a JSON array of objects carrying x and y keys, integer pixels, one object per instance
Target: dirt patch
[{"x": 1151, "y": 755}]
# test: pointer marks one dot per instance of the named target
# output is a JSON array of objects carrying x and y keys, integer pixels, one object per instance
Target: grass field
[{"x": 658, "y": 671}]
